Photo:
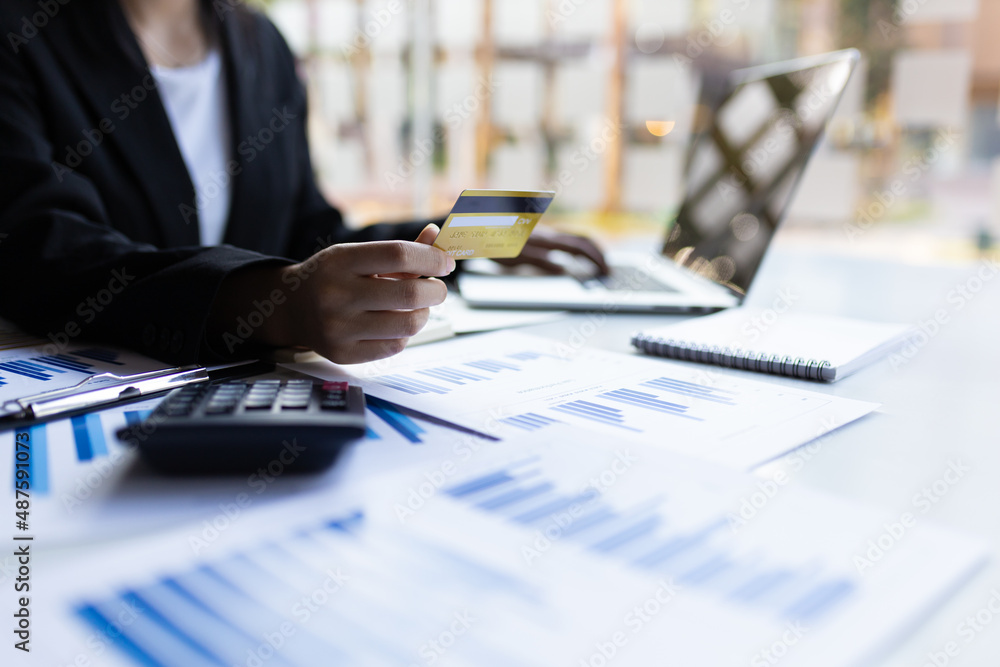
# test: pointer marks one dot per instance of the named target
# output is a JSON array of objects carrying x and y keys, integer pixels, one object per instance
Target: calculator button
[
  {"x": 297, "y": 402},
  {"x": 333, "y": 404},
  {"x": 257, "y": 406},
  {"x": 227, "y": 394}
]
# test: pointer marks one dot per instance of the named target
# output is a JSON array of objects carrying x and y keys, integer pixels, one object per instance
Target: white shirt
[{"x": 195, "y": 101}]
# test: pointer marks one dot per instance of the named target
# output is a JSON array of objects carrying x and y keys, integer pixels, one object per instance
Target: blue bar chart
[
  {"x": 530, "y": 421},
  {"x": 29, "y": 365},
  {"x": 89, "y": 436},
  {"x": 647, "y": 401},
  {"x": 391, "y": 415},
  {"x": 451, "y": 375},
  {"x": 445, "y": 378},
  {"x": 218, "y": 612},
  {"x": 409, "y": 385},
  {"x": 91, "y": 441},
  {"x": 38, "y": 463},
  {"x": 643, "y": 537},
  {"x": 30, "y": 370},
  {"x": 67, "y": 362},
  {"x": 595, "y": 412},
  {"x": 717, "y": 417},
  {"x": 693, "y": 390},
  {"x": 529, "y": 355},
  {"x": 100, "y": 354},
  {"x": 492, "y": 365}
]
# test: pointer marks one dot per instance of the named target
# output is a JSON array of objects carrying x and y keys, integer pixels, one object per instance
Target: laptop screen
[{"x": 742, "y": 170}]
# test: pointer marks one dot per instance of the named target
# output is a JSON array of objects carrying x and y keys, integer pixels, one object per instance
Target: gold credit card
[{"x": 492, "y": 223}]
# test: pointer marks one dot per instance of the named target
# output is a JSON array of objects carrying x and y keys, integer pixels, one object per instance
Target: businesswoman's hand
[
  {"x": 542, "y": 241},
  {"x": 351, "y": 302}
]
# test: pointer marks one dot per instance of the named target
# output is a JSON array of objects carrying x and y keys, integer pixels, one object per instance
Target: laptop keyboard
[{"x": 629, "y": 279}]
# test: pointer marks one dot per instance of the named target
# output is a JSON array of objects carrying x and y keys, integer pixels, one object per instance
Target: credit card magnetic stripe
[{"x": 500, "y": 204}]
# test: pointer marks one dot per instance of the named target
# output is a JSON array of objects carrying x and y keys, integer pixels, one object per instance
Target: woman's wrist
[{"x": 253, "y": 304}]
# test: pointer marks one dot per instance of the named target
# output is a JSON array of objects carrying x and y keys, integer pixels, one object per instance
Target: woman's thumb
[{"x": 428, "y": 234}]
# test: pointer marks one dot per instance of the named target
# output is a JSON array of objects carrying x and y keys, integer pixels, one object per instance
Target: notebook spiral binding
[{"x": 776, "y": 364}]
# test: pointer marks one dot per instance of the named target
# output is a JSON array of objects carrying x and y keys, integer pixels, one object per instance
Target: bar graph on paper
[
  {"x": 74, "y": 449},
  {"x": 450, "y": 379},
  {"x": 211, "y": 613},
  {"x": 25, "y": 371},
  {"x": 644, "y": 536},
  {"x": 64, "y": 453},
  {"x": 507, "y": 383}
]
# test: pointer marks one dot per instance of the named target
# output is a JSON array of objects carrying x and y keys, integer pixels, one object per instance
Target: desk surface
[{"x": 939, "y": 407}]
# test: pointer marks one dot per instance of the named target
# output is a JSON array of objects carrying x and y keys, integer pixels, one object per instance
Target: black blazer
[{"x": 98, "y": 224}]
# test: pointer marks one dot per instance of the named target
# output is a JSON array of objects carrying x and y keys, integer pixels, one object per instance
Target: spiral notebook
[{"x": 813, "y": 347}]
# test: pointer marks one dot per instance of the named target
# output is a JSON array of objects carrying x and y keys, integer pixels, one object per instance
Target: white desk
[
  {"x": 938, "y": 407},
  {"x": 942, "y": 405}
]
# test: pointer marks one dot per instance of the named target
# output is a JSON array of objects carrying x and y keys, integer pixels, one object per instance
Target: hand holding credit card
[{"x": 492, "y": 223}]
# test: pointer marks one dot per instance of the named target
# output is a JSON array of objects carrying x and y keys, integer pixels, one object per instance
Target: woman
[{"x": 156, "y": 192}]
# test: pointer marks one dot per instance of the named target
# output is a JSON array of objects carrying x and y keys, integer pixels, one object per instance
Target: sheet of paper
[
  {"x": 796, "y": 559},
  {"x": 25, "y": 371},
  {"x": 511, "y": 379},
  {"x": 486, "y": 571},
  {"x": 87, "y": 485}
]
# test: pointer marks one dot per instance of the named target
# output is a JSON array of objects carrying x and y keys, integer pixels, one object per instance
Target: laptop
[{"x": 741, "y": 173}]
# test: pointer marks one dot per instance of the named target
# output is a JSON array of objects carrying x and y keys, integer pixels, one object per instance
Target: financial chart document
[
  {"x": 507, "y": 382},
  {"x": 30, "y": 366},
  {"x": 558, "y": 551},
  {"x": 86, "y": 484}
]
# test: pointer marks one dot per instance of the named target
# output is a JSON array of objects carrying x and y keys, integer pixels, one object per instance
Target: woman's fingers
[
  {"x": 534, "y": 256},
  {"x": 426, "y": 237},
  {"x": 390, "y": 257},
  {"x": 360, "y": 351},
  {"x": 390, "y": 294},
  {"x": 350, "y": 311},
  {"x": 392, "y": 324},
  {"x": 575, "y": 245},
  {"x": 428, "y": 234}
]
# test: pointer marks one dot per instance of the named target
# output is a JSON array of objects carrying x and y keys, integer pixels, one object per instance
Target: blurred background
[{"x": 414, "y": 100}]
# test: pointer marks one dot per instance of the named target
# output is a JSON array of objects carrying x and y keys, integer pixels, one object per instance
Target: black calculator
[{"x": 244, "y": 426}]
